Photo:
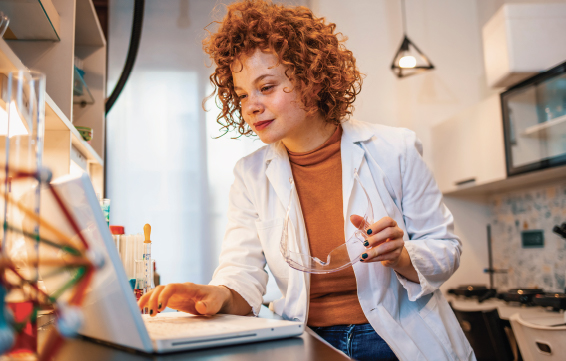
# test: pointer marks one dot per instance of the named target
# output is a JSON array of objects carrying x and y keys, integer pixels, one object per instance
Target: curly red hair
[{"x": 322, "y": 70}]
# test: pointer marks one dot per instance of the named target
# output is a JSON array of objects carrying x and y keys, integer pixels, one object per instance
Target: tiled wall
[{"x": 536, "y": 208}]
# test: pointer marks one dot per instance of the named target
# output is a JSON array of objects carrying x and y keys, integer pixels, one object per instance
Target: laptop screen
[{"x": 110, "y": 310}]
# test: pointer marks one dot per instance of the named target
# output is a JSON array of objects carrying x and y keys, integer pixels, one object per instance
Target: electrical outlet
[{"x": 533, "y": 238}]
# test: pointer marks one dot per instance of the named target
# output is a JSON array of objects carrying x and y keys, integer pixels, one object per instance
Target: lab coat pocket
[
  {"x": 269, "y": 233},
  {"x": 440, "y": 319}
]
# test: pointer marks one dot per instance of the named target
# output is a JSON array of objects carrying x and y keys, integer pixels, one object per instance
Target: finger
[
  {"x": 381, "y": 224},
  {"x": 356, "y": 220},
  {"x": 152, "y": 303},
  {"x": 388, "y": 259},
  {"x": 389, "y": 233},
  {"x": 185, "y": 291},
  {"x": 384, "y": 248},
  {"x": 166, "y": 294},
  {"x": 142, "y": 302},
  {"x": 387, "y": 253}
]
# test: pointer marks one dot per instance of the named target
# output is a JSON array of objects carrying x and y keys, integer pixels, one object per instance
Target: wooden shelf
[
  {"x": 31, "y": 20},
  {"x": 56, "y": 120},
  {"x": 88, "y": 31},
  {"x": 8, "y": 59},
  {"x": 521, "y": 181},
  {"x": 541, "y": 130},
  {"x": 85, "y": 148}
]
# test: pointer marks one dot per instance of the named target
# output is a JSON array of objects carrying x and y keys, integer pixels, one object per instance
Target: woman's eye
[
  {"x": 266, "y": 88},
  {"x": 242, "y": 96}
]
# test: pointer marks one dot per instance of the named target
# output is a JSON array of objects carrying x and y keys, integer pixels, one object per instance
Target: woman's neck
[{"x": 316, "y": 134}]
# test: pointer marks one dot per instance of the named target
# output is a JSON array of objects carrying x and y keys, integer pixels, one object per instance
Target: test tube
[
  {"x": 147, "y": 257},
  {"x": 140, "y": 279}
]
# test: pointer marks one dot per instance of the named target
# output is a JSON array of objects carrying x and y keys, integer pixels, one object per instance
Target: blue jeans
[{"x": 359, "y": 342}]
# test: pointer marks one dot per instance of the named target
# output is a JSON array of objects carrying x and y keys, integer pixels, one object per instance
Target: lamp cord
[
  {"x": 137, "y": 25},
  {"x": 404, "y": 17}
]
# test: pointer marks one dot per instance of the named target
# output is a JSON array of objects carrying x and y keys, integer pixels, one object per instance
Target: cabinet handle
[{"x": 462, "y": 182}]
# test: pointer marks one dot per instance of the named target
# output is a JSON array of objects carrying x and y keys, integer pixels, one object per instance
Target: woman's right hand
[{"x": 188, "y": 297}]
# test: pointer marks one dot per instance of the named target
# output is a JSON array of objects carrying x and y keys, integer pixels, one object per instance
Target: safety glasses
[{"x": 339, "y": 258}]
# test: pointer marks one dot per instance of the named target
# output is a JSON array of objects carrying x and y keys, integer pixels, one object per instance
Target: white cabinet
[
  {"x": 81, "y": 36},
  {"x": 523, "y": 39},
  {"x": 468, "y": 148}
]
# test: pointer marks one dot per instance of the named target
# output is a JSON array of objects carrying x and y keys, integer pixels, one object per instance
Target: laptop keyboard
[{"x": 169, "y": 327}]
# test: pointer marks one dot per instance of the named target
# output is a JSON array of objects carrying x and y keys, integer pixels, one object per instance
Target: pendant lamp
[{"x": 409, "y": 59}]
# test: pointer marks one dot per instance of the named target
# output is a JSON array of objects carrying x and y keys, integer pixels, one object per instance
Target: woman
[{"x": 284, "y": 75}]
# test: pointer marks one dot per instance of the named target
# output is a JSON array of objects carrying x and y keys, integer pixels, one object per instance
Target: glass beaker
[
  {"x": 22, "y": 124},
  {"x": 105, "y": 205},
  {"x": 139, "y": 276}
]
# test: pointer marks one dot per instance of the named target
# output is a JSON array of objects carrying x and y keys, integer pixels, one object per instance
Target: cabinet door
[
  {"x": 468, "y": 147},
  {"x": 453, "y": 152},
  {"x": 490, "y": 147},
  {"x": 521, "y": 40}
]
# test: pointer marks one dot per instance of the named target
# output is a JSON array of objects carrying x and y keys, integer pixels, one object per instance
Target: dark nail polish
[
  {"x": 159, "y": 306},
  {"x": 365, "y": 255},
  {"x": 369, "y": 231},
  {"x": 366, "y": 243},
  {"x": 151, "y": 312},
  {"x": 361, "y": 259}
]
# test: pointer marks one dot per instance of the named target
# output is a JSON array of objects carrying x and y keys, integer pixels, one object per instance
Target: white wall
[
  {"x": 449, "y": 33},
  {"x": 156, "y": 165}
]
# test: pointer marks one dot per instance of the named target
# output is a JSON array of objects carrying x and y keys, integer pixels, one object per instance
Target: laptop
[{"x": 110, "y": 310}]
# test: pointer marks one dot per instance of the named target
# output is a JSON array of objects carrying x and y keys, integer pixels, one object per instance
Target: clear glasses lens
[{"x": 339, "y": 258}]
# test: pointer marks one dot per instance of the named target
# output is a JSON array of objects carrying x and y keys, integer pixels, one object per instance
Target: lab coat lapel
[
  {"x": 352, "y": 158},
  {"x": 355, "y": 158},
  {"x": 279, "y": 173}
]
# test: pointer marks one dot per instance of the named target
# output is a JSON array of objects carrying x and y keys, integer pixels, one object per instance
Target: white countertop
[{"x": 533, "y": 314}]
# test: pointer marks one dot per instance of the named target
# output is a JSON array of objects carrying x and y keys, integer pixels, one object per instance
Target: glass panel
[
  {"x": 537, "y": 122},
  {"x": 22, "y": 118}
]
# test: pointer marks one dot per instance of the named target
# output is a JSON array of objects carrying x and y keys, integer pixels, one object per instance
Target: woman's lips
[{"x": 263, "y": 124}]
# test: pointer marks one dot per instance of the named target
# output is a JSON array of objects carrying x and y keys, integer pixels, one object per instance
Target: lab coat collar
[
  {"x": 279, "y": 170},
  {"x": 354, "y": 131}
]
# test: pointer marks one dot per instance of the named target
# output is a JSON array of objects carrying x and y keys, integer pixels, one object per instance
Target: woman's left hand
[{"x": 384, "y": 243}]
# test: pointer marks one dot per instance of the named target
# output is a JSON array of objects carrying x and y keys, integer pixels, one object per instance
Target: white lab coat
[{"x": 414, "y": 319}]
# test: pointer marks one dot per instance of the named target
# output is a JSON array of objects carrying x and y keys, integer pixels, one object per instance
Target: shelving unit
[
  {"x": 541, "y": 130},
  {"x": 80, "y": 35}
]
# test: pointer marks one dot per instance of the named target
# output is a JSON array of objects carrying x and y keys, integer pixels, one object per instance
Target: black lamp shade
[{"x": 409, "y": 60}]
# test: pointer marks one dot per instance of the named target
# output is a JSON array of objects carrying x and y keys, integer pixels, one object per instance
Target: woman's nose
[{"x": 254, "y": 106}]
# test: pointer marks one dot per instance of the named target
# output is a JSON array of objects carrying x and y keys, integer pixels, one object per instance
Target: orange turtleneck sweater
[{"x": 318, "y": 179}]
